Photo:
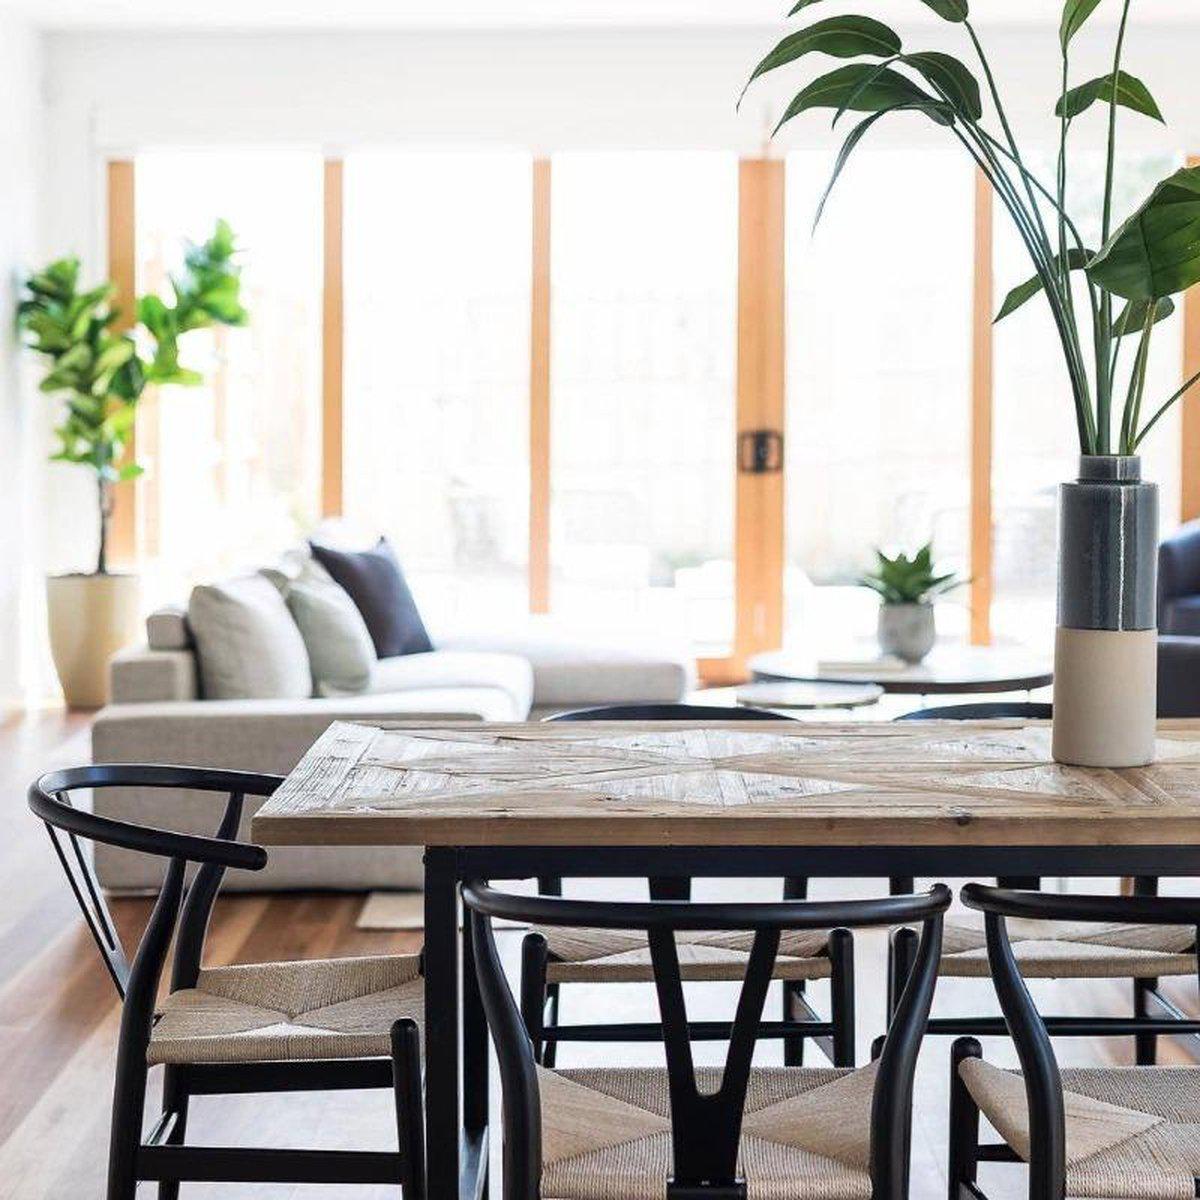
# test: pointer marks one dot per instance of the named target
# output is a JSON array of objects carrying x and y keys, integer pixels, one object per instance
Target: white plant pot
[
  {"x": 907, "y": 631},
  {"x": 91, "y": 617}
]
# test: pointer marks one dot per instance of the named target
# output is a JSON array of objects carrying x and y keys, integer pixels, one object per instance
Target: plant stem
[
  {"x": 1105, "y": 379},
  {"x": 1164, "y": 408},
  {"x": 104, "y": 496},
  {"x": 1137, "y": 385}
]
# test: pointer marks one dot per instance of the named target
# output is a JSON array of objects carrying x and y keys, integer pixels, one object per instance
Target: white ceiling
[{"x": 426, "y": 14}]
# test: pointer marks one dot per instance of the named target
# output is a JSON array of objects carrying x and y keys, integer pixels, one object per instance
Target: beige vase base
[
  {"x": 91, "y": 617},
  {"x": 1105, "y": 697}
]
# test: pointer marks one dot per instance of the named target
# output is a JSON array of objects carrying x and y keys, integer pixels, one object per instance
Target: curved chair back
[
  {"x": 668, "y": 712},
  {"x": 50, "y": 799},
  {"x": 706, "y": 1128},
  {"x": 1043, "y": 1084},
  {"x": 997, "y": 710}
]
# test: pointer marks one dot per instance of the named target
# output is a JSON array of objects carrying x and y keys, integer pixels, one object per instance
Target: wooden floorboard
[{"x": 59, "y": 1014}]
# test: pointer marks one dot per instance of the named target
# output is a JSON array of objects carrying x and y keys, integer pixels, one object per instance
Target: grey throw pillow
[
  {"x": 340, "y": 651},
  {"x": 247, "y": 644}
]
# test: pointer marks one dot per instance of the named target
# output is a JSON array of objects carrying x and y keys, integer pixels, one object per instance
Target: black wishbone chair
[
  {"x": 1129, "y": 1132},
  {"x": 268, "y": 1027},
  {"x": 551, "y": 958},
  {"x": 1119, "y": 950},
  {"x": 642, "y": 1133}
]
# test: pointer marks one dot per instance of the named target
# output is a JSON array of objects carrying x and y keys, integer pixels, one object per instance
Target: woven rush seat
[
  {"x": 619, "y": 956},
  {"x": 321, "y": 1009},
  {"x": 1072, "y": 950},
  {"x": 1133, "y": 1133},
  {"x": 606, "y": 1133}
]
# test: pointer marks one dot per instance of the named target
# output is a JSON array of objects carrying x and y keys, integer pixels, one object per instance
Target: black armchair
[{"x": 1179, "y": 582}]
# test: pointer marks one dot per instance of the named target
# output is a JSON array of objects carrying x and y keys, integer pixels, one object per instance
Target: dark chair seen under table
[
  {"x": 553, "y": 957},
  {"x": 1113, "y": 951},
  {"x": 1128, "y": 1132},
  {"x": 985, "y": 711},
  {"x": 263, "y": 1028},
  {"x": 642, "y": 1133}
]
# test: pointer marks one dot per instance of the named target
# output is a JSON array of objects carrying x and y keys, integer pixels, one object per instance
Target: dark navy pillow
[{"x": 375, "y": 583}]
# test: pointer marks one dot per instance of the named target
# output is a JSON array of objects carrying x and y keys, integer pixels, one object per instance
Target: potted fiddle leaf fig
[
  {"x": 100, "y": 373},
  {"x": 907, "y": 588},
  {"x": 1104, "y": 298}
]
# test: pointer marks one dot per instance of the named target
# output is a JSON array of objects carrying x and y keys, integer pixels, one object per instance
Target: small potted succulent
[{"x": 907, "y": 588}]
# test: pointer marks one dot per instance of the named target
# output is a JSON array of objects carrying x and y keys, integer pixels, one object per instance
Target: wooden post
[
  {"x": 122, "y": 270},
  {"x": 981, "y": 419},
  {"x": 759, "y": 497},
  {"x": 332, "y": 320},
  {"x": 539, "y": 394},
  {"x": 1189, "y": 448}
]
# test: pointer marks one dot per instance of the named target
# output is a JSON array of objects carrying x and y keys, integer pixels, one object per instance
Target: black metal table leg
[
  {"x": 473, "y": 1168},
  {"x": 441, "y": 1024}
]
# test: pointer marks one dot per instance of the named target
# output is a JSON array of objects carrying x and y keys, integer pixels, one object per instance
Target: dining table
[{"x": 933, "y": 799}]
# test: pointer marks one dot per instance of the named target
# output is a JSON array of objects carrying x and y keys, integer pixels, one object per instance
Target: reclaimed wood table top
[{"x": 729, "y": 783}]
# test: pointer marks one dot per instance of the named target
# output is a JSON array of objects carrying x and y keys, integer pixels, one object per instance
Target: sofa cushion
[
  {"x": 247, "y": 644},
  {"x": 1181, "y": 615},
  {"x": 376, "y": 584},
  {"x": 509, "y": 673},
  {"x": 576, "y": 669},
  {"x": 340, "y": 651},
  {"x": 167, "y": 629}
]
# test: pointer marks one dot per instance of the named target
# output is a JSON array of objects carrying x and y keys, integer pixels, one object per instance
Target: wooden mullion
[
  {"x": 332, "y": 342},
  {"x": 759, "y": 498},
  {"x": 539, "y": 393},
  {"x": 122, "y": 271},
  {"x": 981, "y": 418},
  {"x": 1189, "y": 448}
]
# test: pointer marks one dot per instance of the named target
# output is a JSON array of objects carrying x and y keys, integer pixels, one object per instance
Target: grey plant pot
[
  {"x": 907, "y": 630},
  {"x": 1106, "y": 644}
]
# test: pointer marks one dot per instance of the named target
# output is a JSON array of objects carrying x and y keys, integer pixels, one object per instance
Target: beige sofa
[{"x": 157, "y": 714}]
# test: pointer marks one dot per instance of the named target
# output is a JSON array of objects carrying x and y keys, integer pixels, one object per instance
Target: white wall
[{"x": 21, "y": 134}]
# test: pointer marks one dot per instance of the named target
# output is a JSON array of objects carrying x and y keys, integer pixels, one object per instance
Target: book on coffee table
[{"x": 880, "y": 664}]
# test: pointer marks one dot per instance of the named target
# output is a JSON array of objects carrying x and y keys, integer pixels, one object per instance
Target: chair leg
[
  {"x": 534, "y": 957},
  {"x": 793, "y": 1047},
  {"x": 128, "y": 1108},
  {"x": 175, "y": 1100},
  {"x": 1145, "y": 1044},
  {"x": 841, "y": 993},
  {"x": 964, "y": 1124},
  {"x": 902, "y": 954},
  {"x": 410, "y": 1109}
]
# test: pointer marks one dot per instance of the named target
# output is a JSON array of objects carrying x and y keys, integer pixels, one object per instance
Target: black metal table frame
[{"x": 456, "y": 1048}]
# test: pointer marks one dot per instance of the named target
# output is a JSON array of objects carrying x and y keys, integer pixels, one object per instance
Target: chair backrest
[
  {"x": 990, "y": 711},
  {"x": 50, "y": 799},
  {"x": 1043, "y": 1084},
  {"x": 1178, "y": 568},
  {"x": 706, "y": 1128},
  {"x": 668, "y": 712}
]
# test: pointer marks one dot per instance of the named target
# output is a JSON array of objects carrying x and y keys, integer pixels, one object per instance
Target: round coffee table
[
  {"x": 779, "y": 694},
  {"x": 948, "y": 670}
]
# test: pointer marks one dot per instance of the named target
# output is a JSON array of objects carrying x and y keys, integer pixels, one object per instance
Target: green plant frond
[
  {"x": 863, "y": 88},
  {"x": 904, "y": 580},
  {"x": 1077, "y": 260},
  {"x": 1075, "y": 13},
  {"x": 1129, "y": 92}
]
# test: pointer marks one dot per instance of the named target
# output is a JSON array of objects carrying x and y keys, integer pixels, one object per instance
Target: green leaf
[
  {"x": 1075, "y": 13},
  {"x": 1077, "y": 260},
  {"x": 800, "y": 4},
  {"x": 952, "y": 78},
  {"x": 839, "y": 37},
  {"x": 129, "y": 471},
  {"x": 855, "y": 136},
  {"x": 863, "y": 88},
  {"x": 1156, "y": 252},
  {"x": 949, "y": 10},
  {"x": 1133, "y": 316},
  {"x": 1131, "y": 93}
]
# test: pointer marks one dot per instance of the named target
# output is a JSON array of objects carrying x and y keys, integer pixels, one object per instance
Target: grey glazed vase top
[{"x": 1108, "y": 546}]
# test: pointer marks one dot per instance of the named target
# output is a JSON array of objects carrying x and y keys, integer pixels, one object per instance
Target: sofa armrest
[
  {"x": 1179, "y": 565},
  {"x": 139, "y": 675}
]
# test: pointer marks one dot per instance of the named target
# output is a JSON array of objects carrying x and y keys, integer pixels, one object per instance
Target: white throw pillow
[
  {"x": 340, "y": 650},
  {"x": 247, "y": 644}
]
